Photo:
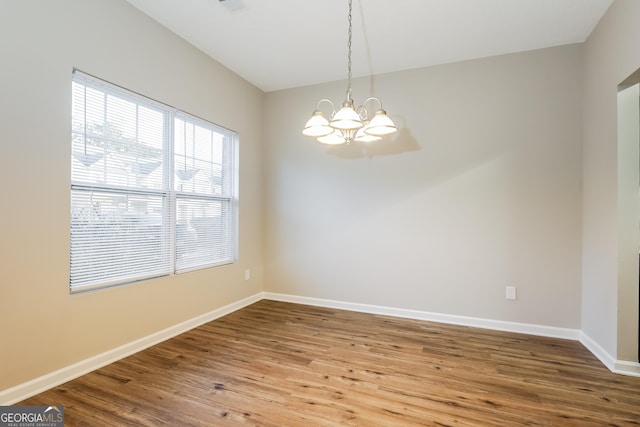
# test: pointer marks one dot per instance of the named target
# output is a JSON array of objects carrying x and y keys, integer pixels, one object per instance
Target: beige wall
[
  {"x": 481, "y": 189},
  {"x": 43, "y": 328},
  {"x": 611, "y": 54}
]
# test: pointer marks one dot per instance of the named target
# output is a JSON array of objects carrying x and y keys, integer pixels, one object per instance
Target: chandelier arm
[
  {"x": 373, "y": 98},
  {"x": 363, "y": 112},
  {"x": 333, "y": 107}
]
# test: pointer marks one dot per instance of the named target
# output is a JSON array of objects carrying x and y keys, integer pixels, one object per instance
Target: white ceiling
[{"x": 278, "y": 44}]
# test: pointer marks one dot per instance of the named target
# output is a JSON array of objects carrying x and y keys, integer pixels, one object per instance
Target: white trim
[
  {"x": 622, "y": 367},
  {"x": 498, "y": 325},
  {"x": 627, "y": 368},
  {"x": 608, "y": 360},
  {"x": 55, "y": 378},
  {"x": 52, "y": 379},
  {"x": 616, "y": 366}
]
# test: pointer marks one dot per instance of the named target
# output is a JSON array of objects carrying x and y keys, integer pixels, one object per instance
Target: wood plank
[{"x": 281, "y": 364}]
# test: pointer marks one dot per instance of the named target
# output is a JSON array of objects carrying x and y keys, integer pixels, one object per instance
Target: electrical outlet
[
  {"x": 511, "y": 293},
  {"x": 247, "y": 274}
]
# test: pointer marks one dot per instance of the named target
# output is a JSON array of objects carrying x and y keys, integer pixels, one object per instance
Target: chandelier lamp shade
[{"x": 349, "y": 123}]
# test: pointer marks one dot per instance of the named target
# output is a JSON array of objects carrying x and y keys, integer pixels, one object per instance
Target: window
[{"x": 152, "y": 188}]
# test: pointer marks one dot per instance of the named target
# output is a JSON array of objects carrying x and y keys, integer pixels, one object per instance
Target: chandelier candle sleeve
[{"x": 349, "y": 123}]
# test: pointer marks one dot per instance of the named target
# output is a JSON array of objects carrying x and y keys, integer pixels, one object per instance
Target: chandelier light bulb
[
  {"x": 334, "y": 138},
  {"x": 381, "y": 124},
  {"x": 317, "y": 125},
  {"x": 363, "y": 136},
  {"x": 346, "y": 118}
]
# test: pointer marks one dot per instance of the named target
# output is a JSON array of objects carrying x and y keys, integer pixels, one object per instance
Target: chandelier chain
[{"x": 349, "y": 56}]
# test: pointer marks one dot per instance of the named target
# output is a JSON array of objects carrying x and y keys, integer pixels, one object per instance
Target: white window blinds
[
  {"x": 152, "y": 189},
  {"x": 204, "y": 189}
]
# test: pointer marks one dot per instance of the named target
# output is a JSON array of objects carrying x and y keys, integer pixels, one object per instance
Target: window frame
[{"x": 229, "y": 168}]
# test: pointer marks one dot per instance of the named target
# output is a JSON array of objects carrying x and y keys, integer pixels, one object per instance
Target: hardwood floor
[{"x": 281, "y": 364}]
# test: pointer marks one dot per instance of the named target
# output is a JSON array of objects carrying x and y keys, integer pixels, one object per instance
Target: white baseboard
[
  {"x": 52, "y": 379},
  {"x": 499, "y": 325},
  {"x": 607, "y": 360},
  {"x": 45, "y": 382},
  {"x": 627, "y": 368},
  {"x": 622, "y": 367},
  {"x": 615, "y": 366}
]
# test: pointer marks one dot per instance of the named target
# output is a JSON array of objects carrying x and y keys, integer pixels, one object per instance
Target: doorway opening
[{"x": 628, "y": 334}]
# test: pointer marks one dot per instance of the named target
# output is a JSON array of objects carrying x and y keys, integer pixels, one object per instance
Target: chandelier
[{"x": 349, "y": 123}]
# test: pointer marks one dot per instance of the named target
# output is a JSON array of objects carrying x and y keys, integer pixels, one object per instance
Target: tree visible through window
[{"x": 152, "y": 188}]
